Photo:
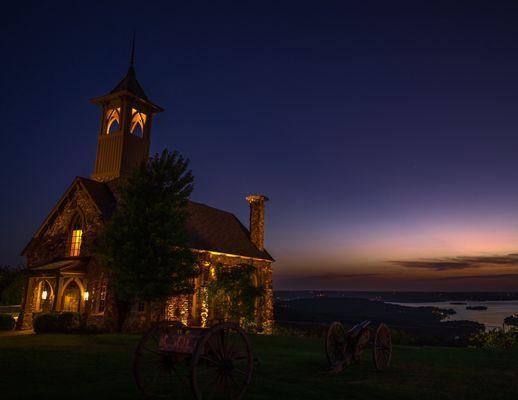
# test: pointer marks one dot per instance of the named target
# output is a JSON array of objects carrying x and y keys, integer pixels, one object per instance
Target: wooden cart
[
  {"x": 174, "y": 361},
  {"x": 346, "y": 347}
]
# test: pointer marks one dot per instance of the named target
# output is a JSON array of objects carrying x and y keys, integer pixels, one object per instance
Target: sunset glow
[{"x": 392, "y": 154}]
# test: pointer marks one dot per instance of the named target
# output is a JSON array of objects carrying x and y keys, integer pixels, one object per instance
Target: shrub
[
  {"x": 69, "y": 322},
  {"x": 46, "y": 323},
  {"x": 7, "y": 322},
  {"x": 496, "y": 339}
]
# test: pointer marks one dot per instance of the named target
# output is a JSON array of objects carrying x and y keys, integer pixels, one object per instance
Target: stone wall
[
  {"x": 199, "y": 311},
  {"x": 53, "y": 240},
  {"x": 190, "y": 309},
  {"x": 53, "y": 243}
]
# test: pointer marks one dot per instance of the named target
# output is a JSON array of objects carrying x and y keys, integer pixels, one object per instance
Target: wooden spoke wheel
[
  {"x": 335, "y": 343},
  {"x": 222, "y": 364},
  {"x": 158, "y": 371},
  {"x": 382, "y": 349}
]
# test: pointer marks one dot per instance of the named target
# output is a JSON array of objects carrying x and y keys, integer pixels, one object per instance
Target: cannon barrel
[{"x": 356, "y": 329}]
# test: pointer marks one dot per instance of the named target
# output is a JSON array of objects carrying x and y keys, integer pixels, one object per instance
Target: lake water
[{"x": 492, "y": 317}]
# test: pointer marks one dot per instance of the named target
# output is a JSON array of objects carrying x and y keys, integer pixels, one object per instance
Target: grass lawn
[{"x": 98, "y": 367}]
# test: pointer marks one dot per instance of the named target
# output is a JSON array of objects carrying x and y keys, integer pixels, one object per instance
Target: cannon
[
  {"x": 175, "y": 361},
  {"x": 346, "y": 347}
]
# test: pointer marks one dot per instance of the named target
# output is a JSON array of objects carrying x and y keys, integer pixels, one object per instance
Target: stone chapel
[{"x": 63, "y": 272}]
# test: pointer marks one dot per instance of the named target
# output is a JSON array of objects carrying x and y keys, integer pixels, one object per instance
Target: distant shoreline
[{"x": 400, "y": 296}]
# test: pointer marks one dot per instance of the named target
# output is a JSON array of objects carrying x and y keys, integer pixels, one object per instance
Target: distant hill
[
  {"x": 351, "y": 310},
  {"x": 424, "y": 322}
]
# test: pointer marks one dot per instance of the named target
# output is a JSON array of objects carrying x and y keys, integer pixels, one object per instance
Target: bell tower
[{"x": 125, "y": 132}]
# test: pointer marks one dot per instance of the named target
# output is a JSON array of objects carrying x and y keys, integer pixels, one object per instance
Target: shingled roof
[
  {"x": 208, "y": 228},
  {"x": 216, "y": 230},
  {"x": 129, "y": 83}
]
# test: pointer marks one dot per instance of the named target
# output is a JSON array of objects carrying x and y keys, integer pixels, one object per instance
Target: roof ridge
[{"x": 211, "y": 207}]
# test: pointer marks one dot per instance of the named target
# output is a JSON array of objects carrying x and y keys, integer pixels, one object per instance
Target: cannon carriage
[
  {"x": 346, "y": 347},
  {"x": 176, "y": 361}
]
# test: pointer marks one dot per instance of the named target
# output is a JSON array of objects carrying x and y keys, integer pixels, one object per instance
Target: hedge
[
  {"x": 67, "y": 322},
  {"x": 46, "y": 323}
]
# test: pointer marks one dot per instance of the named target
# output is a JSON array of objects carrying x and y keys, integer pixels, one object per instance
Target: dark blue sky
[{"x": 381, "y": 131}]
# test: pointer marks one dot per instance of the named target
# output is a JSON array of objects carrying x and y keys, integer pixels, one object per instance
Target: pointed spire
[
  {"x": 132, "y": 58},
  {"x": 129, "y": 82}
]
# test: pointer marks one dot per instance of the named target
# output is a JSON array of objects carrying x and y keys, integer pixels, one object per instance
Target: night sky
[{"x": 385, "y": 133}]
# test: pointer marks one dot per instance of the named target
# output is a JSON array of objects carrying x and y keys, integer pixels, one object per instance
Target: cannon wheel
[
  {"x": 222, "y": 364},
  {"x": 335, "y": 343},
  {"x": 159, "y": 373},
  {"x": 382, "y": 349}
]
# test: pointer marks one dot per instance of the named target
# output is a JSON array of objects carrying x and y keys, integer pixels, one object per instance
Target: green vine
[{"x": 233, "y": 293}]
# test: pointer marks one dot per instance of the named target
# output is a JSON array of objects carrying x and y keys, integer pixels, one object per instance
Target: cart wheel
[
  {"x": 160, "y": 373},
  {"x": 222, "y": 365},
  {"x": 382, "y": 349},
  {"x": 335, "y": 343}
]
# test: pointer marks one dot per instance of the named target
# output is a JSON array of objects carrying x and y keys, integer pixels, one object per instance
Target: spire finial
[{"x": 132, "y": 59}]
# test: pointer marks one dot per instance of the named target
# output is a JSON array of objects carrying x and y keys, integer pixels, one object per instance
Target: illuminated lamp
[
  {"x": 86, "y": 296},
  {"x": 44, "y": 295}
]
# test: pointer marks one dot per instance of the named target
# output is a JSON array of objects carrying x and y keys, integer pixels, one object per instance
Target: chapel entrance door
[{"x": 71, "y": 297}]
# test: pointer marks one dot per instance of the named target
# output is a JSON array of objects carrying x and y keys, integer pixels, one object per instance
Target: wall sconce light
[
  {"x": 44, "y": 295},
  {"x": 86, "y": 296}
]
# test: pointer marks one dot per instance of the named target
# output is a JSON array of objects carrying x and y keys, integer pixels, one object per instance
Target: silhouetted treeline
[
  {"x": 399, "y": 297},
  {"x": 11, "y": 285}
]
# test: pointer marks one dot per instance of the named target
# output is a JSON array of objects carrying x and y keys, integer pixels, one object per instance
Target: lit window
[
  {"x": 138, "y": 120},
  {"x": 113, "y": 120},
  {"x": 75, "y": 244},
  {"x": 76, "y": 238}
]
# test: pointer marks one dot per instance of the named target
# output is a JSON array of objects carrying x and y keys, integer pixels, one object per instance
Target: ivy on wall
[{"x": 233, "y": 294}]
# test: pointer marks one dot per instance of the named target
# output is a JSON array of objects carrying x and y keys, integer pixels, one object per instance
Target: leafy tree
[
  {"x": 234, "y": 294},
  {"x": 11, "y": 285},
  {"x": 144, "y": 244}
]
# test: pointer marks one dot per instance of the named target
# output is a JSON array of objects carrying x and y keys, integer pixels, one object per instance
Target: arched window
[
  {"x": 76, "y": 237},
  {"x": 113, "y": 120},
  {"x": 71, "y": 297},
  {"x": 138, "y": 121}
]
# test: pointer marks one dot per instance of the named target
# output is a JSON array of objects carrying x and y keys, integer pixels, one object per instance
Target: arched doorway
[
  {"x": 72, "y": 297},
  {"x": 43, "y": 296}
]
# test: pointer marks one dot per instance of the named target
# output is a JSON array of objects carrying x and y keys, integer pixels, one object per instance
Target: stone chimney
[{"x": 257, "y": 219}]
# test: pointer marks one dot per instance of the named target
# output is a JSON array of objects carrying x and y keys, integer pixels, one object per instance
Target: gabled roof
[
  {"x": 101, "y": 194},
  {"x": 130, "y": 84},
  {"x": 208, "y": 228}
]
